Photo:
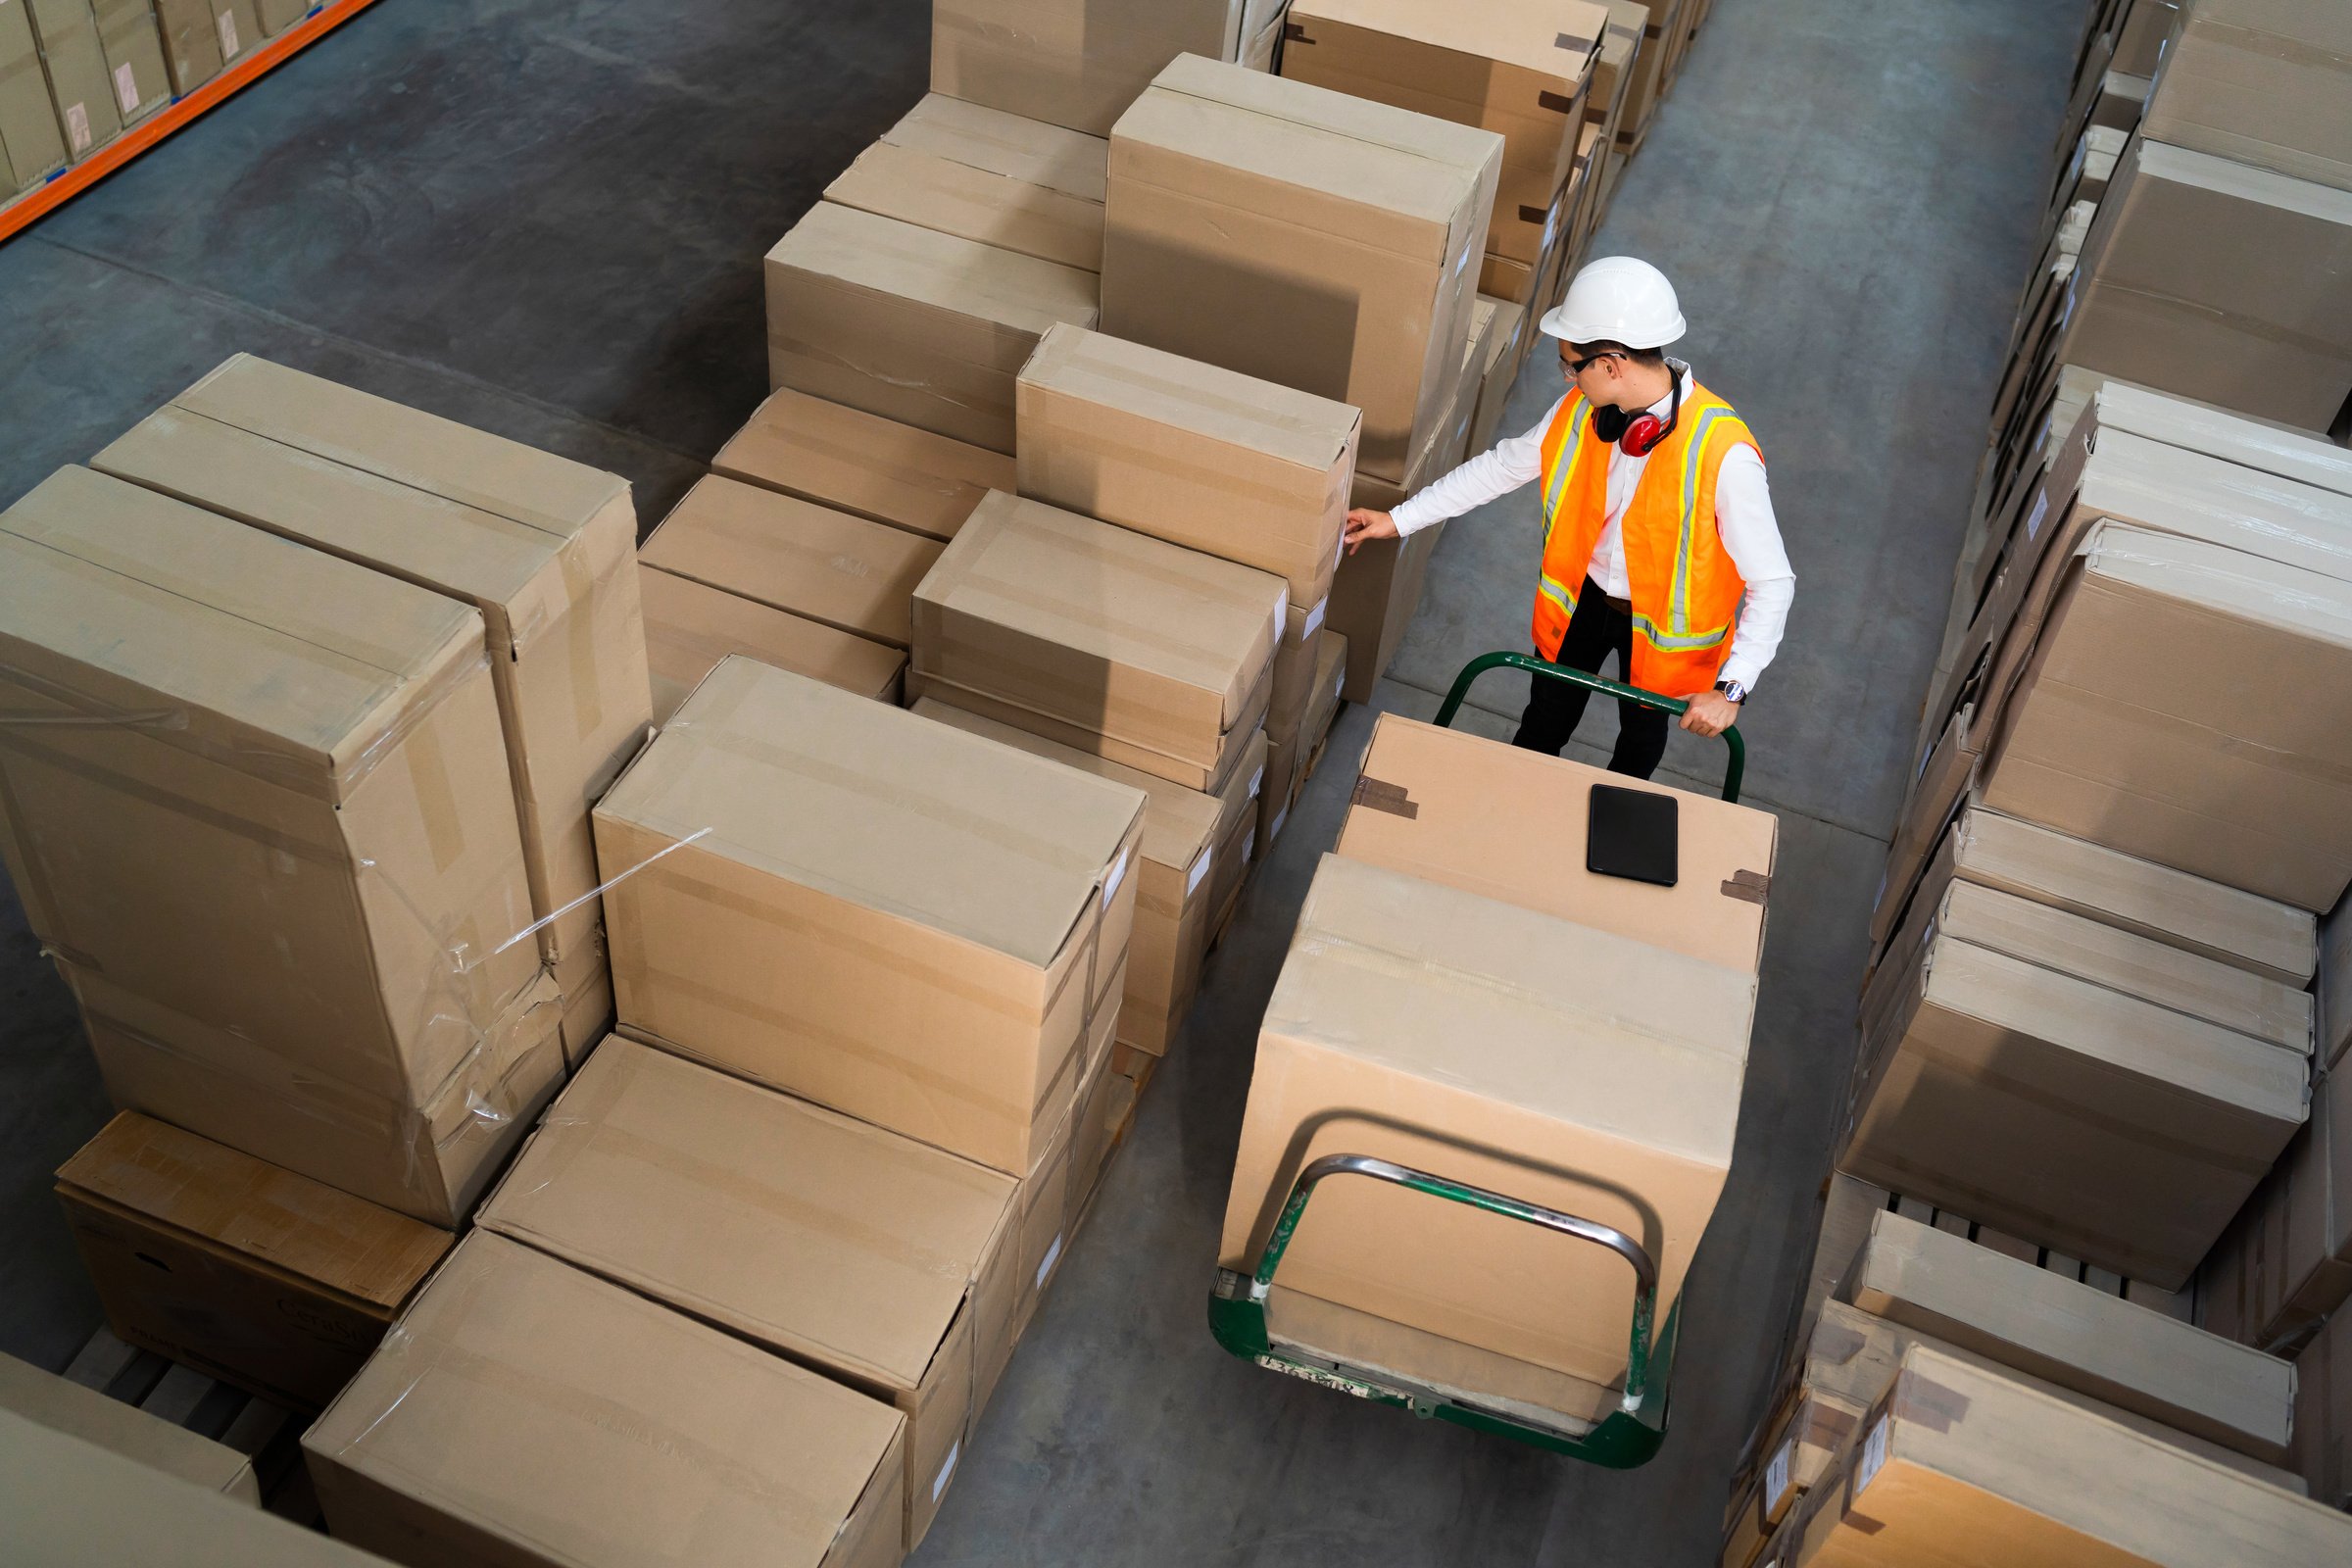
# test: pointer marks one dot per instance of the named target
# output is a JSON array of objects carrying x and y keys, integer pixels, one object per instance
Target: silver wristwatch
[{"x": 1732, "y": 690}]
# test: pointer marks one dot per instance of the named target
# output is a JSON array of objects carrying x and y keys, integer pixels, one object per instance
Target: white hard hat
[{"x": 1618, "y": 300}]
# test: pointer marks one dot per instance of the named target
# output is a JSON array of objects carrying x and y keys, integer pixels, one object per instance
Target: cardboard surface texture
[
  {"x": 2323, "y": 1413},
  {"x": 860, "y": 463},
  {"x": 246, "y": 1272},
  {"x": 1018, "y": 184},
  {"x": 2259, "y": 82},
  {"x": 914, "y": 325},
  {"x": 31, "y": 142},
  {"x": 690, "y": 627},
  {"x": 48, "y": 1400},
  {"x": 1562, "y": 1104},
  {"x": 866, "y": 909},
  {"x": 79, "y": 84},
  {"x": 1078, "y": 63},
  {"x": 525, "y": 1413}
]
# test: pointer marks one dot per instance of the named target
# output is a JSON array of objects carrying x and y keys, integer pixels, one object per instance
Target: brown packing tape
[
  {"x": 1825, "y": 1426},
  {"x": 1926, "y": 1404},
  {"x": 581, "y": 587},
  {"x": 437, "y": 799},
  {"x": 1534, "y": 214},
  {"x": 1294, "y": 32},
  {"x": 1838, "y": 1345},
  {"x": 1078, "y": 447},
  {"x": 2268, "y": 45},
  {"x": 1574, "y": 44},
  {"x": 1558, "y": 103},
  {"x": 1053, "y": 355},
  {"x": 1749, "y": 887},
  {"x": 1378, "y": 795},
  {"x": 941, "y": 654}
]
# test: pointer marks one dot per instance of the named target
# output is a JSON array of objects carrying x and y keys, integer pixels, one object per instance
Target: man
[{"x": 1660, "y": 541}]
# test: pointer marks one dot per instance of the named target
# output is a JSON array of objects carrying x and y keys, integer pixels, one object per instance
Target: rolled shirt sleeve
[
  {"x": 1751, "y": 537},
  {"x": 1488, "y": 476}
]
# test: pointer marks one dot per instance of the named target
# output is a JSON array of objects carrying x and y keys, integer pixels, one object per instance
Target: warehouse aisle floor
[{"x": 545, "y": 217}]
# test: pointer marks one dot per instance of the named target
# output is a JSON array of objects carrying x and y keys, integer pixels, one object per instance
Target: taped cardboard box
[
  {"x": 538, "y": 544},
  {"x": 866, "y": 909},
  {"x": 191, "y": 40},
  {"x": 962, "y": 169},
  {"x": 1621, "y": 43},
  {"x": 1050, "y": 1200},
  {"x": 1496, "y": 367},
  {"x": 1244, "y": 469},
  {"x": 1848, "y": 1206},
  {"x": 241, "y": 1270},
  {"x": 2323, "y": 1413},
  {"x": 1373, "y": 599},
  {"x": 1079, "y": 63},
  {"x": 1182, "y": 859},
  {"x": 882, "y": 1263},
  {"x": 1099, "y": 637},
  {"x": 1296, "y": 658},
  {"x": 32, "y": 144},
  {"x": 1645, "y": 75},
  {"x": 863, "y": 464},
  {"x": 1996, "y": 1084},
  {"x": 59, "y": 1405},
  {"x": 69, "y": 1501},
  {"x": 2257, "y": 81},
  {"x": 2335, "y": 984},
  {"x": 2286, "y": 1261},
  {"x": 1516, "y": 68},
  {"x": 79, "y": 85},
  {"x": 525, "y": 1413},
  {"x": 689, "y": 627},
  {"x": 1562, "y": 1104},
  {"x": 903, "y": 321},
  {"x": 134, "y": 57},
  {"x": 280, "y": 14},
  {"x": 1338, "y": 238},
  {"x": 1510, "y": 824},
  {"x": 1959, "y": 1453},
  {"x": 829, "y": 566},
  {"x": 2205, "y": 276}
]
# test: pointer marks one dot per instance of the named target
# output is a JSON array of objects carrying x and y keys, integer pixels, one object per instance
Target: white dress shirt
[{"x": 1744, "y": 520}]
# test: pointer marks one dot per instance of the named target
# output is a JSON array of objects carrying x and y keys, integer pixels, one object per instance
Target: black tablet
[{"x": 1633, "y": 834}]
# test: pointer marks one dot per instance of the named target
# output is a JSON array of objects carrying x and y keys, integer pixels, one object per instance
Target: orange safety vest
[{"x": 1683, "y": 588}]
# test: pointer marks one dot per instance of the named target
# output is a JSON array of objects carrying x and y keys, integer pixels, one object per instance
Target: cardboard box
[
  {"x": 1018, "y": 184},
  {"x": 1647, "y": 75},
  {"x": 1243, "y": 469},
  {"x": 47, "y": 1400},
  {"x": 79, "y": 84},
  {"x": 926, "y": 328},
  {"x": 859, "y": 462},
  {"x": 538, "y": 544},
  {"x": 2286, "y": 1261},
  {"x": 2323, "y": 1413},
  {"x": 866, "y": 909},
  {"x": 2335, "y": 984},
  {"x": 1564, "y": 1104},
  {"x": 1848, "y": 1205},
  {"x": 881, "y": 1263},
  {"x": 1373, "y": 599},
  {"x": 192, "y": 36},
  {"x": 1990, "y": 1083},
  {"x": 280, "y": 14},
  {"x": 1330, "y": 674},
  {"x": 1079, "y": 63},
  {"x": 1517, "y": 69},
  {"x": 2257, "y": 81},
  {"x": 1105, "y": 639},
  {"x": 1960, "y": 1454},
  {"x": 1338, "y": 239},
  {"x": 1621, "y": 43},
  {"x": 134, "y": 57},
  {"x": 241, "y": 1270},
  {"x": 2073, "y": 1335},
  {"x": 32, "y": 145},
  {"x": 1496, "y": 370},
  {"x": 829, "y": 566},
  {"x": 239, "y": 26},
  {"x": 1182, "y": 855},
  {"x": 1296, "y": 659},
  {"x": 1510, "y": 824},
  {"x": 69, "y": 1501},
  {"x": 689, "y": 627},
  {"x": 530, "y": 1413},
  {"x": 2208, "y": 278},
  {"x": 1051, "y": 1200}
]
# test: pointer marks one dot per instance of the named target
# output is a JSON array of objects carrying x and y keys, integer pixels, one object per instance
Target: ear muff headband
[{"x": 1638, "y": 434}]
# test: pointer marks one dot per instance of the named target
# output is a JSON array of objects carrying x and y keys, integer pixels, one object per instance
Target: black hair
[{"x": 1653, "y": 358}]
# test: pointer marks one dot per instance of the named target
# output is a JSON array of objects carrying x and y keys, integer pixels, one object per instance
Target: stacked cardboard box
[
  {"x": 32, "y": 143},
  {"x": 203, "y": 37},
  {"x": 1080, "y": 63},
  {"x": 59, "y": 1405},
  {"x": 962, "y": 169}
]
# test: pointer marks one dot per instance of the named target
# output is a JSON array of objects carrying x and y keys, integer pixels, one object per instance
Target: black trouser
[{"x": 1554, "y": 707}]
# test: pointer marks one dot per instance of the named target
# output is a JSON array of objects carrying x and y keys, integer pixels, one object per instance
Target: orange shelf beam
[{"x": 69, "y": 182}]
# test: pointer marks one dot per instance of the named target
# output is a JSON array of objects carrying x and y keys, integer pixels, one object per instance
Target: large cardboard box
[
  {"x": 1996, "y": 1085},
  {"x": 1018, "y": 184},
  {"x": 882, "y": 1263},
  {"x": 2073, "y": 1335},
  {"x": 272, "y": 802},
  {"x": 1338, "y": 238},
  {"x": 2335, "y": 984},
  {"x": 1621, "y": 43},
  {"x": 1511, "y": 825},
  {"x": 689, "y": 627},
  {"x": 31, "y": 146},
  {"x": 134, "y": 57},
  {"x": 1513, "y": 67},
  {"x": 2212, "y": 278},
  {"x": 1079, "y": 63},
  {"x": 860, "y": 463},
  {"x": 61, "y": 1406},
  {"x": 1496, "y": 370},
  {"x": 2257, "y": 81},
  {"x": 79, "y": 83},
  {"x": 528, "y": 1413},
  {"x": 69, "y": 1500},
  {"x": 538, "y": 544},
  {"x": 2286, "y": 1261},
  {"x": 2323, "y": 1413},
  {"x": 1971, "y": 1465},
  {"x": 1240, "y": 469},
  {"x": 830, "y": 567},
  {"x": 1184, "y": 855},
  {"x": 913, "y": 324},
  {"x": 1565, "y": 1103},
  {"x": 221, "y": 1262},
  {"x": 867, "y": 908},
  {"x": 192, "y": 38},
  {"x": 1105, "y": 639}
]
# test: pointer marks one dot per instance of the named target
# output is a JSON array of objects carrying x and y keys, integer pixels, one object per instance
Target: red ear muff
[
  {"x": 1642, "y": 433},
  {"x": 1636, "y": 434}
]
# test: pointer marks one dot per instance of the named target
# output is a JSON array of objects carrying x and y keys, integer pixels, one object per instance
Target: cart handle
[
  {"x": 1645, "y": 1272},
  {"x": 1676, "y": 705}
]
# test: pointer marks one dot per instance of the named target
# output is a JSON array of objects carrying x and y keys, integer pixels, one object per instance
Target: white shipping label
[
  {"x": 1053, "y": 1256},
  {"x": 2041, "y": 510},
  {"x": 1110, "y": 883},
  {"x": 127, "y": 88},
  {"x": 1873, "y": 1453},
  {"x": 1776, "y": 1475},
  {"x": 1199, "y": 871},
  {"x": 228, "y": 35},
  {"x": 1256, "y": 782},
  {"x": 2068, "y": 314},
  {"x": 1315, "y": 617},
  {"x": 939, "y": 1481},
  {"x": 78, "y": 127},
  {"x": 1280, "y": 818}
]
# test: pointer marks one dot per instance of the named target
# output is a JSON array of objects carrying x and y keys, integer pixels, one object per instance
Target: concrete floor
[{"x": 546, "y": 219}]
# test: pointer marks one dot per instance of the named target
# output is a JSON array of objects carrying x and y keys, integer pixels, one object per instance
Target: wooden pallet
[{"x": 267, "y": 1435}]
